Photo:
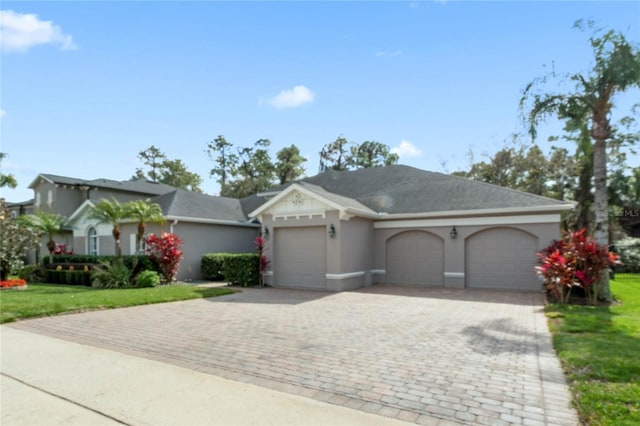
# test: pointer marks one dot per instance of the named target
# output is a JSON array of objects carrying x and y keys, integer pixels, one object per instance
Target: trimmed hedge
[
  {"x": 68, "y": 277},
  {"x": 78, "y": 261},
  {"x": 211, "y": 266},
  {"x": 144, "y": 263},
  {"x": 235, "y": 268}
]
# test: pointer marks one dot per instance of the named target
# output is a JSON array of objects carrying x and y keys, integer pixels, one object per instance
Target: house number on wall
[{"x": 297, "y": 200}]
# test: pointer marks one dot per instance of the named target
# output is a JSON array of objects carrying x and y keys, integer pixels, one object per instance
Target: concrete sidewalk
[{"x": 50, "y": 381}]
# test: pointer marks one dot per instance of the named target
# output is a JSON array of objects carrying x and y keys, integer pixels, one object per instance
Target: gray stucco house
[
  {"x": 205, "y": 223},
  {"x": 400, "y": 225}
]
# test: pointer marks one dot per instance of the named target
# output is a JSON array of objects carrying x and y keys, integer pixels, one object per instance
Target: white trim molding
[
  {"x": 345, "y": 276},
  {"x": 454, "y": 274},
  {"x": 378, "y": 272},
  {"x": 469, "y": 221}
]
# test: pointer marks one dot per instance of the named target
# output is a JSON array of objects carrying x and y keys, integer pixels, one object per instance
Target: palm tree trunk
[{"x": 601, "y": 229}]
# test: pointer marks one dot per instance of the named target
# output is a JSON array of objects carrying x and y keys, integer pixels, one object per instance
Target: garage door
[
  {"x": 300, "y": 257},
  {"x": 501, "y": 258},
  {"x": 415, "y": 258}
]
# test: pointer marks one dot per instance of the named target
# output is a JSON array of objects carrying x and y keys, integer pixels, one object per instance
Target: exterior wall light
[
  {"x": 332, "y": 231},
  {"x": 453, "y": 233},
  {"x": 265, "y": 233}
]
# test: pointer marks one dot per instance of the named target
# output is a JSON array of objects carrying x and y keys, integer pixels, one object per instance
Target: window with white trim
[
  {"x": 38, "y": 199},
  {"x": 50, "y": 197},
  {"x": 92, "y": 242}
]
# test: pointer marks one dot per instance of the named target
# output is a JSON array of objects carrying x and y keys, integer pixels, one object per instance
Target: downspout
[{"x": 175, "y": 222}]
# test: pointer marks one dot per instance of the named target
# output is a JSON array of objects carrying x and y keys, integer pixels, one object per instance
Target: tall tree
[
  {"x": 289, "y": 164},
  {"x": 153, "y": 158},
  {"x": 616, "y": 69},
  {"x": 334, "y": 155},
  {"x": 110, "y": 212},
  {"x": 167, "y": 171},
  {"x": 371, "y": 154},
  {"x": 7, "y": 180},
  {"x": 254, "y": 171},
  {"x": 143, "y": 212},
  {"x": 47, "y": 224},
  {"x": 219, "y": 150},
  {"x": 175, "y": 173}
]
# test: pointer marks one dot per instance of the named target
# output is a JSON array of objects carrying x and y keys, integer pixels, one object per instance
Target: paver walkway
[{"x": 466, "y": 356}]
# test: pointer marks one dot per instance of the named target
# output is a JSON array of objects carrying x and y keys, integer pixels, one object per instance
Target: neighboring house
[
  {"x": 206, "y": 224},
  {"x": 21, "y": 208},
  {"x": 65, "y": 195},
  {"x": 400, "y": 225}
]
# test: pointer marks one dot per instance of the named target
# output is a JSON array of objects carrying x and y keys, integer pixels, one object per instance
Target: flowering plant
[
  {"x": 19, "y": 282},
  {"x": 165, "y": 251},
  {"x": 574, "y": 261},
  {"x": 62, "y": 249}
]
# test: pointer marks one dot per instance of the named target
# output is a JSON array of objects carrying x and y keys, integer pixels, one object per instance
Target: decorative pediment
[{"x": 298, "y": 204}]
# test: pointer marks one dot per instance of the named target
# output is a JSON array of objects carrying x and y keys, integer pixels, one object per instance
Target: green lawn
[
  {"x": 600, "y": 352},
  {"x": 51, "y": 299}
]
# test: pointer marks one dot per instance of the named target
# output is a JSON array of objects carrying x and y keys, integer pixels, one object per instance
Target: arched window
[{"x": 92, "y": 242}]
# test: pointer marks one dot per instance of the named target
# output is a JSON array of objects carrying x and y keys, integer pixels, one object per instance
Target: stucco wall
[
  {"x": 356, "y": 238},
  {"x": 64, "y": 200},
  {"x": 198, "y": 239}
]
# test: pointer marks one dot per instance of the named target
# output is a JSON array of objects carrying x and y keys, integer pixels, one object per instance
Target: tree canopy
[
  {"x": 249, "y": 170},
  {"x": 164, "y": 170},
  {"x": 342, "y": 155},
  {"x": 7, "y": 180}
]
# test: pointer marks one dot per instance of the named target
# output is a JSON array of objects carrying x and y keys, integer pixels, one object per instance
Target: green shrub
[
  {"x": 242, "y": 268},
  {"x": 77, "y": 277},
  {"x": 211, "y": 266},
  {"x": 32, "y": 273},
  {"x": 134, "y": 263},
  {"x": 147, "y": 279},
  {"x": 113, "y": 274}
]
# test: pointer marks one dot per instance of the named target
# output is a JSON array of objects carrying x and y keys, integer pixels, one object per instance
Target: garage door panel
[
  {"x": 415, "y": 258},
  {"x": 300, "y": 257},
  {"x": 501, "y": 258}
]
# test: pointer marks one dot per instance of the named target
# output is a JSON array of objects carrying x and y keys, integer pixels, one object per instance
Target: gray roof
[
  {"x": 139, "y": 186},
  {"x": 182, "y": 203},
  {"x": 404, "y": 189}
]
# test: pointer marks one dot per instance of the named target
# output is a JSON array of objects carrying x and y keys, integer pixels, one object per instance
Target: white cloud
[
  {"x": 2, "y": 113},
  {"x": 21, "y": 31},
  {"x": 406, "y": 149},
  {"x": 293, "y": 98}
]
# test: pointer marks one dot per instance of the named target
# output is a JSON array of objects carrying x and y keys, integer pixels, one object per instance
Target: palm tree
[
  {"x": 616, "y": 69},
  {"x": 143, "y": 211},
  {"x": 113, "y": 213},
  {"x": 47, "y": 224}
]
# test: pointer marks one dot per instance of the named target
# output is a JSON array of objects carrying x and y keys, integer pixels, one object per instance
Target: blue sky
[{"x": 87, "y": 85}]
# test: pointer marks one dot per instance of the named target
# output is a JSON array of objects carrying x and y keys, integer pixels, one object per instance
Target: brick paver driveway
[{"x": 474, "y": 357}]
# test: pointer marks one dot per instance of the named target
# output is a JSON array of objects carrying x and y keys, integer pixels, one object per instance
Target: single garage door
[
  {"x": 501, "y": 258},
  {"x": 415, "y": 258},
  {"x": 301, "y": 257}
]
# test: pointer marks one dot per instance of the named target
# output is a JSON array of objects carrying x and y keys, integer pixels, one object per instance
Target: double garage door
[
  {"x": 499, "y": 258},
  {"x": 300, "y": 257}
]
